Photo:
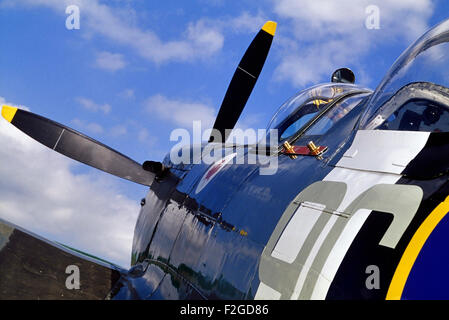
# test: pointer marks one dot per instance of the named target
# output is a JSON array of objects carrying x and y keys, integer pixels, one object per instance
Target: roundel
[{"x": 213, "y": 171}]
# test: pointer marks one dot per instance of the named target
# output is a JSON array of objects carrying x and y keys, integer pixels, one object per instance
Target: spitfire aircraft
[{"x": 355, "y": 210}]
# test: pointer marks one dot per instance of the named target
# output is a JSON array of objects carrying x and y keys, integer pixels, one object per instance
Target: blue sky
[{"x": 136, "y": 70}]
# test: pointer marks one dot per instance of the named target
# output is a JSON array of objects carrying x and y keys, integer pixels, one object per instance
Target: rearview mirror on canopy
[{"x": 343, "y": 75}]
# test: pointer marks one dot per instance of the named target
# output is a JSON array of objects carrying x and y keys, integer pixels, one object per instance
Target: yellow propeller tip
[
  {"x": 8, "y": 112},
  {"x": 270, "y": 27}
]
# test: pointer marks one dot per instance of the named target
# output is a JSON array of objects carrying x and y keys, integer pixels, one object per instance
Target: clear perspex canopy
[{"x": 414, "y": 94}]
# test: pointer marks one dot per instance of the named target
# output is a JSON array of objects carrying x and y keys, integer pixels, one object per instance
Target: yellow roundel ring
[
  {"x": 413, "y": 249},
  {"x": 8, "y": 112}
]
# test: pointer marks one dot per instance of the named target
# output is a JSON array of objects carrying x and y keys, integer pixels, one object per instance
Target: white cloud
[
  {"x": 127, "y": 94},
  {"x": 206, "y": 39},
  {"x": 324, "y": 35},
  {"x": 90, "y": 127},
  {"x": 4, "y": 102},
  {"x": 118, "y": 130},
  {"x": 148, "y": 140},
  {"x": 94, "y": 107},
  {"x": 110, "y": 61},
  {"x": 143, "y": 135},
  {"x": 40, "y": 193},
  {"x": 243, "y": 23},
  {"x": 180, "y": 112},
  {"x": 98, "y": 19},
  {"x": 247, "y": 22},
  {"x": 341, "y": 17}
]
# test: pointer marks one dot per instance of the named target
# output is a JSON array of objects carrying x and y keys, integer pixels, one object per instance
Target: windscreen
[
  {"x": 414, "y": 94},
  {"x": 295, "y": 114}
]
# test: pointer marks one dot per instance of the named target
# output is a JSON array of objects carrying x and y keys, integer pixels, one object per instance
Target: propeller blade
[
  {"x": 243, "y": 81},
  {"x": 77, "y": 146}
]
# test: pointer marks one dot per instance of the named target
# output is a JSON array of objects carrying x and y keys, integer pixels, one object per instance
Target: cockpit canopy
[
  {"x": 414, "y": 95},
  {"x": 314, "y": 110}
]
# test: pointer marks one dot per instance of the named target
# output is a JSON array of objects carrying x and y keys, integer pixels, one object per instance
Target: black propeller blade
[
  {"x": 243, "y": 81},
  {"x": 77, "y": 146}
]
